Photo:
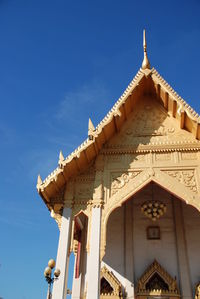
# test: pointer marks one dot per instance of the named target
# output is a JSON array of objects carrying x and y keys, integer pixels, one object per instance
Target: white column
[
  {"x": 62, "y": 261},
  {"x": 93, "y": 269},
  {"x": 76, "y": 286},
  {"x": 184, "y": 271},
  {"x": 128, "y": 254}
]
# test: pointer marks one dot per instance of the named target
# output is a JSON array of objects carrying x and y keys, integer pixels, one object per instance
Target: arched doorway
[{"x": 154, "y": 224}]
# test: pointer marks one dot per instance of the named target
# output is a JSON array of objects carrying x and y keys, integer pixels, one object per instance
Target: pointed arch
[{"x": 159, "y": 176}]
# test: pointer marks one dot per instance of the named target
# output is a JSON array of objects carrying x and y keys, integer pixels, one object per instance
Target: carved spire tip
[
  {"x": 90, "y": 126},
  {"x": 61, "y": 157},
  {"x": 39, "y": 180},
  {"x": 145, "y": 63}
]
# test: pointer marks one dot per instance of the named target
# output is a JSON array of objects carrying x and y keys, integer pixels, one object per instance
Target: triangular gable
[
  {"x": 146, "y": 286},
  {"x": 146, "y": 81},
  {"x": 150, "y": 124},
  {"x": 113, "y": 282}
]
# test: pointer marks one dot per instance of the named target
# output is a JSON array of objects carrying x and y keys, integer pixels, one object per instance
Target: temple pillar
[
  {"x": 62, "y": 261},
  {"x": 93, "y": 277},
  {"x": 183, "y": 264},
  {"x": 93, "y": 267},
  {"x": 76, "y": 287}
]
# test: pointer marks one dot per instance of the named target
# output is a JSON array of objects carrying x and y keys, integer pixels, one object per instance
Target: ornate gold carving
[
  {"x": 146, "y": 287},
  {"x": 186, "y": 177},
  {"x": 153, "y": 209},
  {"x": 57, "y": 217},
  {"x": 75, "y": 246},
  {"x": 197, "y": 291},
  {"x": 151, "y": 121},
  {"x": 114, "y": 283},
  {"x": 154, "y": 147},
  {"x": 151, "y": 126},
  {"x": 119, "y": 180}
]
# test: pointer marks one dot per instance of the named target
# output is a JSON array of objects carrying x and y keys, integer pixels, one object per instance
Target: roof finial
[
  {"x": 91, "y": 129},
  {"x": 61, "y": 158},
  {"x": 39, "y": 180},
  {"x": 145, "y": 63}
]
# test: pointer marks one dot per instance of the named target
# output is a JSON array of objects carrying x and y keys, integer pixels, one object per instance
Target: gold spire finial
[
  {"x": 145, "y": 63},
  {"x": 39, "y": 180},
  {"x": 91, "y": 129},
  {"x": 61, "y": 158}
]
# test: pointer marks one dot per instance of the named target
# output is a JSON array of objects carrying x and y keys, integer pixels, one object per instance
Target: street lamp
[{"x": 49, "y": 278}]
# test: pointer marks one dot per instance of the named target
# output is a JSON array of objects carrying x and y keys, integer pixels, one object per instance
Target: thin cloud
[
  {"x": 81, "y": 101},
  {"x": 39, "y": 161}
]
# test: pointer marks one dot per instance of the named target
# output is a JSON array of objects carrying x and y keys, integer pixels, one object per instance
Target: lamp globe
[
  {"x": 47, "y": 272},
  {"x": 51, "y": 263},
  {"x": 57, "y": 273}
]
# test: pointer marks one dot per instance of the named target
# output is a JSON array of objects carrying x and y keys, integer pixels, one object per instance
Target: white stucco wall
[
  {"x": 129, "y": 253},
  {"x": 192, "y": 234}
]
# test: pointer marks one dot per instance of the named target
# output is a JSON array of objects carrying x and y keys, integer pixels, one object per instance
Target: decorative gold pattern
[
  {"x": 153, "y": 209},
  {"x": 114, "y": 283},
  {"x": 120, "y": 180},
  {"x": 58, "y": 176},
  {"x": 155, "y": 268},
  {"x": 186, "y": 177},
  {"x": 197, "y": 291}
]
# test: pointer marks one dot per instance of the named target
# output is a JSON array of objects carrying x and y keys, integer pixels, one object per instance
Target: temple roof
[{"x": 146, "y": 80}]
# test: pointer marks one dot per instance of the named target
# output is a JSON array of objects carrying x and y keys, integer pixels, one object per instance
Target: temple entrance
[{"x": 152, "y": 239}]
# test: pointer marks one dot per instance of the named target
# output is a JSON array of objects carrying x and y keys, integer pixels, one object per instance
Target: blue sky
[{"x": 62, "y": 62}]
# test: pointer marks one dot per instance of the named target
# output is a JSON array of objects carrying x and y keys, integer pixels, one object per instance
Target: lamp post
[{"x": 49, "y": 278}]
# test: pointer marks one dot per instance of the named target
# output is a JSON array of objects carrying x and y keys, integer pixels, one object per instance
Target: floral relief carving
[
  {"x": 150, "y": 125},
  {"x": 150, "y": 121},
  {"x": 186, "y": 177},
  {"x": 120, "y": 180}
]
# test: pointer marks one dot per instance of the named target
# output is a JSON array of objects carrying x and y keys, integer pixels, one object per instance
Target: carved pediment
[
  {"x": 110, "y": 285},
  {"x": 150, "y": 123},
  {"x": 157, "y": 282},
  {"x": 186, "y": 177}
]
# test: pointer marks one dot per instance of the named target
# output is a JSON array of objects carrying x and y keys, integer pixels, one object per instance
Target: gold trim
[
  {"x": 142, "y": 292},
  {"x": 114, "y": 283}
]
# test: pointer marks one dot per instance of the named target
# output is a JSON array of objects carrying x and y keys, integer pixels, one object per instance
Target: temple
[{"x": 127, "y": 200}]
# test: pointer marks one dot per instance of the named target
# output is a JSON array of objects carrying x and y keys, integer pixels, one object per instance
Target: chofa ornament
[{"x": 153, "y": 209}]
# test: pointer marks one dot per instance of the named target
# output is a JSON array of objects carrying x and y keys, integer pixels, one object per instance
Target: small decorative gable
[
  {"x": 110, "y": 287},
  {"x": 157, "y": 282}
]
